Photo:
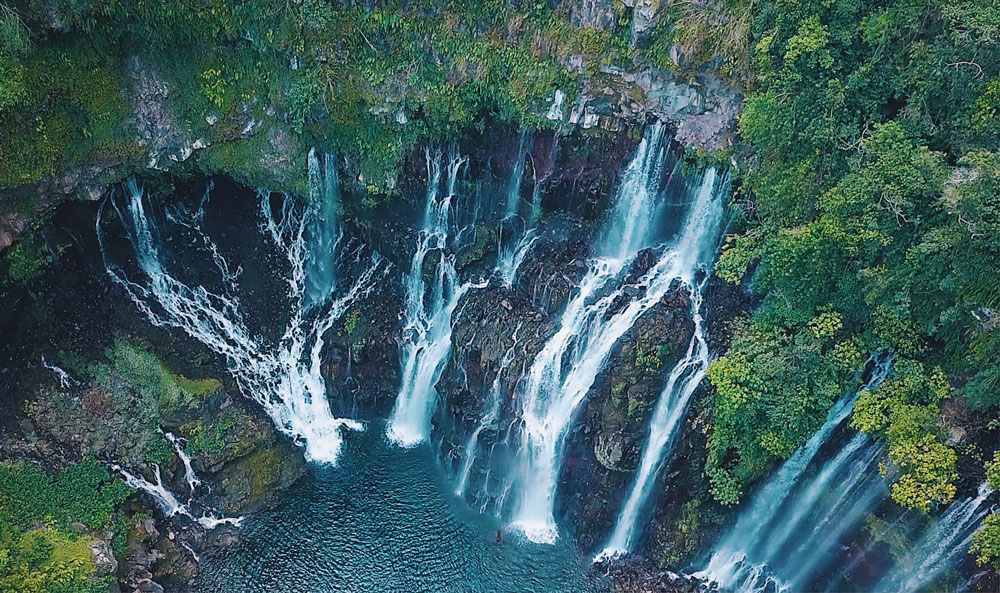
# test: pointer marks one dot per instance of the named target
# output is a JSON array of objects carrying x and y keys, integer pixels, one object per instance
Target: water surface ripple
[{"x": 384, "y": 520}]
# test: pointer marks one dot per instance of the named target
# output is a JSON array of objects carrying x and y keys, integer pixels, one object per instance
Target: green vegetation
[
  {"x": 144, "y": 392},
  {"x": 773, "y": 389},
  {"x": 986, "y": 542},
  {"x": 26, "y": 260},
  {"x": 869, "y": 210},
  {"x": 40, "y": 551},
  {"x": 649, "y": 360},
  {"x": 206, "y": 437},
  {"x": 904, "y": 410},
  {"x": 143, "y": 374},
  {"x": 352, "y": 322},
  {"x": 871, "y": 220},
  {"x": 342, "y": 77}
]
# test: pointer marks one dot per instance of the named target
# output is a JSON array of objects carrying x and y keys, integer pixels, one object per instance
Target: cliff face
[
  {"x": 62, "y": 312},
  {"x": 583, "y": 77},
  {"x": 128, "y": 382}
]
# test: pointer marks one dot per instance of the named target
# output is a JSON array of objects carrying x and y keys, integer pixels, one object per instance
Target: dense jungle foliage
[
  {"x": 872, "y": 222},
  {"x": 46, "y": 525}
]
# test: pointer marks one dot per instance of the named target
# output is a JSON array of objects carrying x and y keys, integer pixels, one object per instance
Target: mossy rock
[
  {"x": 611, "y": 453},
  {"x": 251, "y": 480},
  {"x": 486, "y": 240}
]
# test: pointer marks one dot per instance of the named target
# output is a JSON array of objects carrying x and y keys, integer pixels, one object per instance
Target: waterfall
[
  {"x": 426, "y": 341},
  {"x": 943, "y": 544},
  {"x": 512, "y": 257},
  {"x": 65, "y": 381},
  {"x": 189, "y": 475},
  {"x": 163, "y": 498},
  {"x": 494, "y": 402},
  {"x": 322, "y": 232},
  {"x": 793, "y": 524},
  {"x": 285, "y": 378},
  {"x": 511, "y": 254},
  {"x": 605, "y": 307},
  {"x": 671, "y": 409},
  {"x": 517, "y": 176},
  {"x": 168, "y": 503},
  {"x": 555, "y": 112}
]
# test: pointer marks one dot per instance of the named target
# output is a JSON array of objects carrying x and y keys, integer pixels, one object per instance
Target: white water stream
[
  {"x": 671, "y": 408},
  {"x": 793, "y": 522},
  {"x": 605, "y": 307},
  {"x": 426, "y": 342},
  {"x": 285, "y": 378}
]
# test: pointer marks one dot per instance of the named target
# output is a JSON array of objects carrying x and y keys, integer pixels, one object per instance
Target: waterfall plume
[
  {"x": 517, "y": 233},
  {"x": 285, "y": 377},
  {"x": 792, "y": 523},
  {"x": 565, "y": 369},
  {"x": 942, "y": 544},
  {"x": 426, "y": 341}
]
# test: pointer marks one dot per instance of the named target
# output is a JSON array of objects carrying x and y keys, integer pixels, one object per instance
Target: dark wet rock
[
  {"x": 635, "y": 575},
  {"x": 157, "y": 127},
  {"x": 645, "y": 14},
  {"x": 484, "y": 244},
  {"x": 251, "y": 480},
  {"x": 148, "y": 586},
  {"x": 617, "y": 414}
]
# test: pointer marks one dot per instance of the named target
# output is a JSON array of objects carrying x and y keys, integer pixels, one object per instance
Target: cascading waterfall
[
  {"x": 671, "y": 408},
  {"x": 793, "y": 524},
  {"x": 322, "y": 230},
  {"x": 286, "y": 378},
  {"x": 163, "y": 498},
  {"x": 942, "y": 545},
  {"x": 567, "y": 366},
  {"x": 426, "y": 340},
  {"x": 517, "y": 176},
  {"x": 189, "y": 476},
  {"x": 512, "y": 253},
  {"x": 168, "y": 503},
  {"x": 65, "y": 381},
  {"x": 494, "y": 402}
]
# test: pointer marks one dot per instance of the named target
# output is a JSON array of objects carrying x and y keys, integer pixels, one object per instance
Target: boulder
[
  {"x": 596, "y": 14},
  {"x": 104, "y": 558}
]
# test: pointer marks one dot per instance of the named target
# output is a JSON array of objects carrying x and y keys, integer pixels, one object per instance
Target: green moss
[
  {"x": 143, "y": 374},
  {"x": 892, "y": 534},
  {"x": 48, "y": 561},
  {"x": 263, "y": 467},
  {"x": 26, "y": 260},
  {"x": 198, "y": 389},
  {"x": 647, "y": 359},
  {"x": 638, "y": 405},
  {"x": 684, "y": 533},
  {"x": 71, "y": 109},
  {"x": 207, "y": 436}
]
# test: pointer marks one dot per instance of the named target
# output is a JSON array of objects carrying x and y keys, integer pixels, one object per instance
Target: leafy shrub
[
  {"x": 39, "y": 551},
  {"x": 904, "y": 409},
  {"x": 986, "y": 542},
  {"x": 83, "y": 492},
  {"x": 26, "y": 260}
]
